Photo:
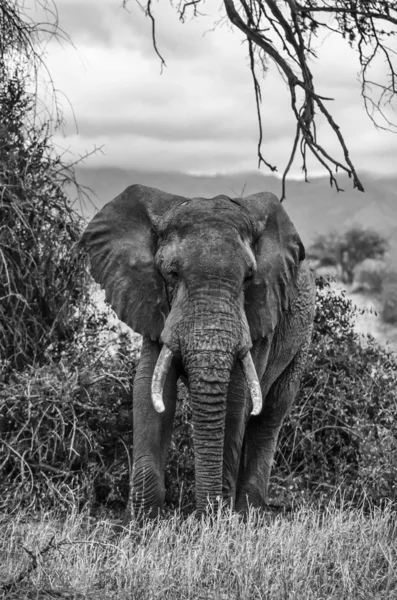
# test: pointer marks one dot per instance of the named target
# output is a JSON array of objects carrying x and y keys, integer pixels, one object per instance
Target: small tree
[
  {"x": 325, "y": 249},
  {"x": 348, "y": 250},
  {"x": 41, "y": 281},
  {"x": 357, "y": 244}
]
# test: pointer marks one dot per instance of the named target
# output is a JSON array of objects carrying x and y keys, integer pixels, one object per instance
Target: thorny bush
[
  {"x": 342, "y": 431},
  {"x": 43, "y": 282},
  {"x": 67, "y": 427}
]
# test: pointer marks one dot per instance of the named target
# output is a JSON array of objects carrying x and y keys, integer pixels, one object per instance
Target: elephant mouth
[{"x": 163, "y": 365}]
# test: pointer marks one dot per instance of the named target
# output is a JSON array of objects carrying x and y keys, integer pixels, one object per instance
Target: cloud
[
  {"x": 108, "y": 24},
  {"x": 200, "y": 114},
  {"x": 86, "y": 22}
]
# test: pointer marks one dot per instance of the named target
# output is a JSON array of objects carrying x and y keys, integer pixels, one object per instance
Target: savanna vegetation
[
  {"x": 307, "y": 555},
  {"x": 361, "y": 258},
  {"x": 65, "y": 427},
  {"x": 348, "y": 249}
]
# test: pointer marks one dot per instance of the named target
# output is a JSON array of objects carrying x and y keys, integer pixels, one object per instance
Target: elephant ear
[
  {"x": 279, "y": 251},
  {"x": 121, "y": 241}
]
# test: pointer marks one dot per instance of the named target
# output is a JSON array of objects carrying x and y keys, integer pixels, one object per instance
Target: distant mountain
[
  {"x": 108, "y": 182},
  {"x": 313, "y": 207}
]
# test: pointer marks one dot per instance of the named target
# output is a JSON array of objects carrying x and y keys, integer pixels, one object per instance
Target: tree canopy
[
  {"x": 349, "y": 249},
  {"x": 286, "y": 33}
]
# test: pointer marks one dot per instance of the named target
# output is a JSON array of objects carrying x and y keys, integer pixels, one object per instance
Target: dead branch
[
  {"x": 284, "y": 32},
  {"x": 12, "y": 585}
]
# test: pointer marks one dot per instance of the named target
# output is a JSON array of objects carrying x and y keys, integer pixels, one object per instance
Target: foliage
[
  {"x": 325, "y": 249},
  {"x": 46, "y": 431},
  {"x": 179, "y": 475},
  {"x": 342, "y": 430},
  {"x": 66, "y": 426},
  {"x": 43, "y": 281},
  {"x": 287, "y": 34},
  {"x": 74, "y": 416},
  {"x": 340, "y": 553},
  {"x": 22, "y": 36},
  {"x": 372, "y": 274},
  {"x": 347, "y": 250}
]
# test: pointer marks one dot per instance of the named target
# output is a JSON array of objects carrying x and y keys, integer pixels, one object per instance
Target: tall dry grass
[{"x": 333, "y": 554}]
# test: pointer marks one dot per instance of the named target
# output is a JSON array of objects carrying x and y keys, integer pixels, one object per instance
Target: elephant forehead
[
  {"x": 217, "y": 214},
  {"x": 208, "y": 248}
]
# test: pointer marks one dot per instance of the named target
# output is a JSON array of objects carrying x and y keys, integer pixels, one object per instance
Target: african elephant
[{"x": 222, "y": 295}]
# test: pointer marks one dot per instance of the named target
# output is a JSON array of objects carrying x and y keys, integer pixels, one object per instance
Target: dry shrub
[
  {"x": 66, "y": 427},
  {"x": 42, "y": 281},
  {"x": 372, "y": 274},
  {"x": 342, "y": 431}
]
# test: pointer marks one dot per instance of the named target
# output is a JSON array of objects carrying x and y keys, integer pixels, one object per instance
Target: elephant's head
[{"x": 206, "y": 278}]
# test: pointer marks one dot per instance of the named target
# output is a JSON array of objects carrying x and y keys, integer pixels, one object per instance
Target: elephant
[{"x": 221, "y": 292}]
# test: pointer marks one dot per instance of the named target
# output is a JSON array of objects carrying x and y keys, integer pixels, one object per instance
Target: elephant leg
[
  {"x": 238, "y": 407},
  {"x": 262, "y": 433},
  {"x": 151, "y": 436}
]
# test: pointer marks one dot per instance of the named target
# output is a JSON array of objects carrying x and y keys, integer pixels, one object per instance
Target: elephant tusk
[
  {"x": 253, "y": 383},
  {"x": 159, "y": 375}
]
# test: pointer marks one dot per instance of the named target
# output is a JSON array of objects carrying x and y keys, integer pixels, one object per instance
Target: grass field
[{"x": 336, "y": 554}]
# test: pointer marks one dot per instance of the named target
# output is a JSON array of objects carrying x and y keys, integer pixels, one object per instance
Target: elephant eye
[
  {"x": 248, "y": 277},
  {"x": 171, "y": 271}
]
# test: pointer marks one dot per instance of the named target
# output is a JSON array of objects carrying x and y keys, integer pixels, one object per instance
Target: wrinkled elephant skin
[{"x": 222, "y": 295}]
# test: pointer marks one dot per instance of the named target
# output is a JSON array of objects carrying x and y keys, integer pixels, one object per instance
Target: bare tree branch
[
  {"x": 23, "y": 40},
  {"x": 284, "y": 32},
  {"x": 183, "y": 6},
  {"x": 148, "y": 12},
  {"x": 305, "y": 113}
]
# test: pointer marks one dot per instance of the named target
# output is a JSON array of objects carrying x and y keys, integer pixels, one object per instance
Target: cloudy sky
[{"x": 199, "y": 115}]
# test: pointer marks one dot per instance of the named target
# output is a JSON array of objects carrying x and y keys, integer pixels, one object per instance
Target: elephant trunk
[
  {"x": 209, "y": 375},
  {"x": 213, "y": 334}
]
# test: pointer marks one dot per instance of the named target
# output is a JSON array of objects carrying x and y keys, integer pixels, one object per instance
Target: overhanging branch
[
  {"x": 305, "y": 111},
  {"x": 283, "y": 31}
]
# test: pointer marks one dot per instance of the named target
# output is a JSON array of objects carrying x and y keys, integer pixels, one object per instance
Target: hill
[{"x": 314, "y": 207}]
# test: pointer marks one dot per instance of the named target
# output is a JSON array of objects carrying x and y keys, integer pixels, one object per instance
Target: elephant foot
[
  {"x": 249, "y": 498},
  {"x": 127, "y": 517},
  {"x": 147, "y": 492},
  {"x": 139, "y": 516}
]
